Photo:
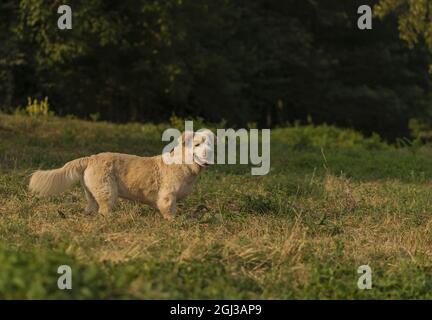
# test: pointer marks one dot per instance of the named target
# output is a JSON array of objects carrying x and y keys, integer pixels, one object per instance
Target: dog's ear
[
  {"x": 208, "y": 136},
  {"x": 185, "y": 137}
]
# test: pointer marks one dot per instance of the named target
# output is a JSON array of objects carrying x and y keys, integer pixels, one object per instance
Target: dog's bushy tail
[{"x": 48, "y": 182}]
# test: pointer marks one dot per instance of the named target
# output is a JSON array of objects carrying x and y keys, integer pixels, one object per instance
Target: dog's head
[{"x": 202, "y": 145}]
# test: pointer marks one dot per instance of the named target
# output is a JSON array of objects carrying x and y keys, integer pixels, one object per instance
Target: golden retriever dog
[{"x": 107, "y": 176}]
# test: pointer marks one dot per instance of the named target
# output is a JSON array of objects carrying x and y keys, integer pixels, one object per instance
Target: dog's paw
[{"x": 168, "y": 217}]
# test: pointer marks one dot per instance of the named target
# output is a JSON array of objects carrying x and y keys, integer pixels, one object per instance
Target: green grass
[{"x": 332, "y": 201}]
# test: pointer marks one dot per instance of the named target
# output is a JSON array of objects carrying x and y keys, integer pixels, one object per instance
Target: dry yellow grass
[{"x": 300, "y": 232}]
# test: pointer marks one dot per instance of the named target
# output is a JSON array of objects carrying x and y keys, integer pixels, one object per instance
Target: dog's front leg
[{"x": 167, "y": 206}]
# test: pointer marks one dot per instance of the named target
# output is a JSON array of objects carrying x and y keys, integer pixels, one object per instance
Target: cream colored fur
[{"x": 107, "y": 176}]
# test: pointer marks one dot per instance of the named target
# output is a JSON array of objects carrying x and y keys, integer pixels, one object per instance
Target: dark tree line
[{"x": 264, "y": 61}]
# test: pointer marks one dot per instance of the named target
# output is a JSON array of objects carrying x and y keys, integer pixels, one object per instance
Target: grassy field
[{"x": 333, "y": 201}]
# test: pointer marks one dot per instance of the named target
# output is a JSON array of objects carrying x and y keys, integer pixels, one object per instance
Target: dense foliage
[{"x": 267, "y": 62}]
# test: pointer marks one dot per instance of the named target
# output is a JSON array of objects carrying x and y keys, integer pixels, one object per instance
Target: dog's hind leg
[
  {"x": 103, "y": 188},
  {"x": 92, "y": 205}
]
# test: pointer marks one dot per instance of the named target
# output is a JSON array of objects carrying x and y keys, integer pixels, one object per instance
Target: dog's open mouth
[{"x": 200, "y": 162}]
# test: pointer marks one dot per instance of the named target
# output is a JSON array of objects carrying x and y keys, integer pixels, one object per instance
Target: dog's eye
[{"x": 196, "y": 144}]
